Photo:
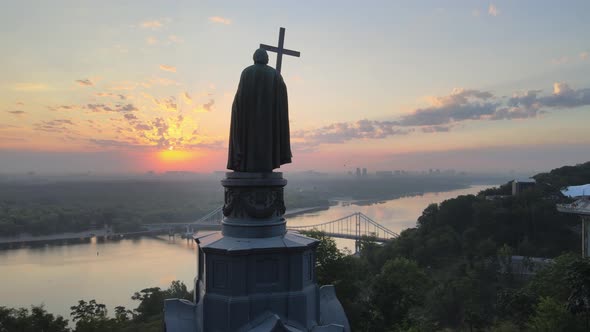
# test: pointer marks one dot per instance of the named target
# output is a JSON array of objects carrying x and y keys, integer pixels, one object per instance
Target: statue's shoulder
[
  {"x": 248, "y": 69},
  {"x": 268, "y": 70}
]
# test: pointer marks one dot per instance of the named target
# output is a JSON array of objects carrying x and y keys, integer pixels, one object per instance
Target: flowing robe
[{"x": 259, "y": 134}]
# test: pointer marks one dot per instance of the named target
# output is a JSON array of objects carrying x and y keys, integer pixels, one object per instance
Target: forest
[
  {"x": 68, "y": 205},
  {"x": 452, "y": 272}
]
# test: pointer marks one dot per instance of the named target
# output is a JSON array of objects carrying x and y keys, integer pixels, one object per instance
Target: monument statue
[
  {"x": 255, "y": 275},
  {"x": 259, "y": 133}
]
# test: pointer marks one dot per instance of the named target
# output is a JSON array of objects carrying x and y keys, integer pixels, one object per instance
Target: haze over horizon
[{"x": 130, "y": 87}]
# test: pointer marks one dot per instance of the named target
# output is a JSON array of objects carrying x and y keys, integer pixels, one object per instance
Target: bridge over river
[{"x": 355, "y": 226}]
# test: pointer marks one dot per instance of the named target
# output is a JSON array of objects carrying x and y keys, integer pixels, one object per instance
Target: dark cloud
[
  {"x": 460, "y": 105},
  {"x": 436, "y": 129},
  {"x": 126, "y": 108},
  {"x": 130, "y": 116},
  {"x": 110, "y": 143},
  {"x": 62, "y": 108},
  {"x": 565, "y": 97},
  {"x": 101, "y": 108},
  {"x": 168, "y": 104},
  {"x": 160, "y": 125},
  {"x": 110, "y": 94},
  {"x": 143, "y": 127},
  {"x": 345, "y": 131},
  {"x": 85, "y": 82},
  {"x": 447, "y": 111},
  {"x": 55, "y": 126},
  {"x": 60, "y": 122},
  {"x": 16, "y": 112},
  {"x": 209, "y": 105},
  {"x": 532, "y": 103}
]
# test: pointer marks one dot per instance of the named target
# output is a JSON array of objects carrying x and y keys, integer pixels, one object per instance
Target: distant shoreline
[{"x": 26, "y": 240}]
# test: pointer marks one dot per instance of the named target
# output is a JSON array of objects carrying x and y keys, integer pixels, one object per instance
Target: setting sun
[{"x": 173, "y": 156}]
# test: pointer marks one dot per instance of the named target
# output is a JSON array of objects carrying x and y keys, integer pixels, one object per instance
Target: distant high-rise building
[
  {"x": 358, "y": 172},
  {"x": 519, "y": 186},
  {"x": 364, "y": 172}
]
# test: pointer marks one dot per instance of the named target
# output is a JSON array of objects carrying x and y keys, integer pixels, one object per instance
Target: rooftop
[{"x": 577, "y": 191}]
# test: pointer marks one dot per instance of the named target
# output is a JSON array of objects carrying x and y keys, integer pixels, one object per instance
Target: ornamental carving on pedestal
[{"x": 254, "y": 202}]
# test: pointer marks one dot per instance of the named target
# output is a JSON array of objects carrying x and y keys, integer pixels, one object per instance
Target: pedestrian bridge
[{"x": 356, "y": 226}]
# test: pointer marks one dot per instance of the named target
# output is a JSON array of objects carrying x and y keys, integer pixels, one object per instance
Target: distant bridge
[{"x": 356, "y": 226}]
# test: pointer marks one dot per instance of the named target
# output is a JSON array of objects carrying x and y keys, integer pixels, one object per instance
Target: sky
[{"x": 134, "y": 86}]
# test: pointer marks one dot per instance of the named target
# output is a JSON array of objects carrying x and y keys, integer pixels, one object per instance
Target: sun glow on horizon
[{"x": 171, "y": 155}]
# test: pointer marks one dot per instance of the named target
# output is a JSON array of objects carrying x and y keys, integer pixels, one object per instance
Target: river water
[{"x": 60, "y": 275}]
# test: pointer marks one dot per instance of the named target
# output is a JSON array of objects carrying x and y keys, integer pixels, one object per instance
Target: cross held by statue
[{"x": 280, "y": 50}]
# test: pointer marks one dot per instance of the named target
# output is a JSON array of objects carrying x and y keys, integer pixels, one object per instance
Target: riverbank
[
  {"x": 104, "y": 233},
  {"x": 60, "y": 275},
  {"x": 27, "y": 238}
]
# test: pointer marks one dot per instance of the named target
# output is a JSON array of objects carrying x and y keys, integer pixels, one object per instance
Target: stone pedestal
[{"x": 254, "y": 275}]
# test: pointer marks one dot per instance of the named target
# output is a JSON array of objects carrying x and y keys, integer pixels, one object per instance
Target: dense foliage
[
  {"x": 90, "y": 316},
  {"x": 70, "y": 205},
  {"x": 454, "y": 270}
]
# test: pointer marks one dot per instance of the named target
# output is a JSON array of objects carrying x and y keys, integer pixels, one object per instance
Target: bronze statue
[{"x": 259, "y": 134}]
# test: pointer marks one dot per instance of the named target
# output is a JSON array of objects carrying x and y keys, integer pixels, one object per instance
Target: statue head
[{"x": 260, "y": 56}]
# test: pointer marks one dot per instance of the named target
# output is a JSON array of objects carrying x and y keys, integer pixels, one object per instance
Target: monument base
[{"x": 254, "y": 275}]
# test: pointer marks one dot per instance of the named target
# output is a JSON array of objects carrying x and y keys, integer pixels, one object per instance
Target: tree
[
  {"x": 516, "y": 305},
  {"x": 550, "y": 316},
  {"x": 400, "y": 286},
  {"x": 178, "y": 290},
  {"x": 151, "y": 302},
  {"x": 578, "y": 278},
  {"x": 36, "y": 320},
  {"x": 550, "y": 281},
  {"x": 122, "y": 314},
  {"x": 90, "y": 317},
  {"x": 152, "y": 299},
  {"x": 328, "y": 258}
]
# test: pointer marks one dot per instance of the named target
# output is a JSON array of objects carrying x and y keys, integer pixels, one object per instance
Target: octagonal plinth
[
  {"x": 246, "y": 278},
  {"x": 254, "y": 275}
]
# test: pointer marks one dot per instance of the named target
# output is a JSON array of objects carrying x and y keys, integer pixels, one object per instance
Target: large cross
[{"x": 280, "y": 50}]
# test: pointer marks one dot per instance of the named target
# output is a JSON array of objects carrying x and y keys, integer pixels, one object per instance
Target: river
[{"x": 60, "y": 275}]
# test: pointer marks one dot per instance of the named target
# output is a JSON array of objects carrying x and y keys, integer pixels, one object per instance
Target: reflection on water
[
  {"x": 60, "y": 275},
  {"x": 396, "y": 214}
]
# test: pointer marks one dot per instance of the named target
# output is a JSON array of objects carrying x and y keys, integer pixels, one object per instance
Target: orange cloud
[
  {"x": 219, "y": 19},
  {"x": 168, "y": 68},
  {"x": 154, "y": 24}
]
